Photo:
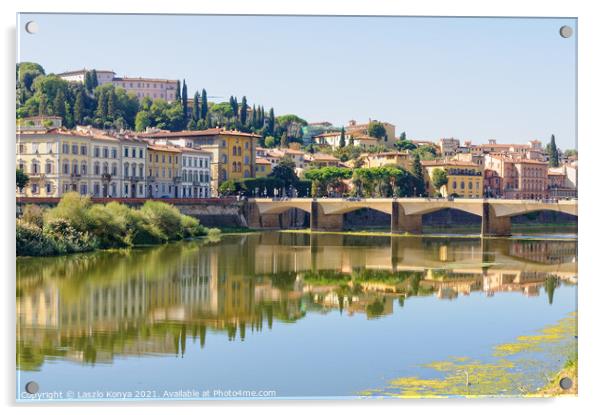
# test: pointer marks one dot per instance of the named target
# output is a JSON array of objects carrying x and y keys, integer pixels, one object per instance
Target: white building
[
  {"x": 133, "y": 162},
  {"x": 196, "y": 173},
  {"x": 153, "y": 88}
]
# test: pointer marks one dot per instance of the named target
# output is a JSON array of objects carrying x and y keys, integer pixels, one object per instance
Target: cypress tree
[
  {"x": 254, "y": 117},
  {"x": 235, "y": 107},
  {"x": 271, "y": 121},
  {"x": 58, "y": 105},
  {"x": 417, "y": 171},
  {"x": 402, "y": 136},
  {"x": 88, "y": 83},
  {"x": 196, "y": 109},
  {"x": 243, "y": 111},
  {"x": 43, "y": 106},
  {"x": 111, "y": 104},
  {"x": 94, "y": 77},
  {"x": 554, "y": 158},
  {"x": 204, "y": 105},
  {"x": 342, "y": 138},
  {"x": 284, "y": 140},
  {"x": 78, "y": 109},
  {"x": 101, "y": 106},
  {"x": 185, "y": 100},
  {"x": 178, "y": 94}
]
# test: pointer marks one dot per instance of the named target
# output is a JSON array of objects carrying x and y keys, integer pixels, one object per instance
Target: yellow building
[
  {"x": 163, "y": 171},
  {"x": 233, "y": 152},
  {"x": 56, "y": 161},
  {"x": 464, "y": 179},
  {"x": 397, "y": 158},
  {"x": 263, "y": 167}
]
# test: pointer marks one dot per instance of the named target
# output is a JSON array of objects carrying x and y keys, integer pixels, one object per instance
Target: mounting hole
[
  {"x": 566, "y": 31},
  {"x": 31, "y": 27},
  {"x": 566, "y": 383},
  {"x": 32, "y": 387}
]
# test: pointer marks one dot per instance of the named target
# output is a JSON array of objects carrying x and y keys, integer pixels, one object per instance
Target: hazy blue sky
[{"x": 469, "y": 78}]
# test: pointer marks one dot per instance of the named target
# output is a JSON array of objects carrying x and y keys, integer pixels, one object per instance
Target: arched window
[
  {"x": 74, "y": 167},
  {"x": 66, "y": 167},
  {"x": 48, "y": 169},
  {"x": 105, "y": 168},
  {"x": 84, "y": 168},
  {"x": 97, "y": 168},
  {"x": 224, "y": 158},
  {"x": 35, "y": 167},
  {"x": 126, "y": 169}
]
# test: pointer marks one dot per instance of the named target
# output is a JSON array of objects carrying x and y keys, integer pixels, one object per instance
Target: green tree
[
  {"x": 285, "y": 171},
  {"x": 271, "y": 122},
  {"x": 402, "y": 136},
  {"x": 376, "y": 129},
  {"x": 243, "y": 111},
  {"x": 22, "y": 179},
  {"x": 342, "y": 138},
  {"x": 88, "y": 83},
  {"x": 78, "y": 108},
  {"x": 43, "y": 105},
  {"x": 204, "y": 104},
  {"x": 284, "y": 140},
  {"x": 178, "y": 96},
  {"x": 439, "y": 178},
  {"x": 143, "y": 120},
  {"x": 553, "y": 153},
  {"x": 270, "y": 141},
  {"x": 185, "y": 100},
  {"x": 94, "y": 77},
  {"x": 418, "y": 174},
  {"x": 58, "y": 106},
  {"x": 111, "y": 104},
  {"x": 196, "y": 109}
]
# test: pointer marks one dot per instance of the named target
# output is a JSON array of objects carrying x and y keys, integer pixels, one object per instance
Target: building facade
[
  {"x": 153, "y": 88},
  {"x": 233, "y": 153},
  {"x": 517, "y": 177},
  {"x": 133, "y": 166},
  {"x": 464, "y": 179},
  {"x": 163, "y": 172},
  {"x": 196, "y": 173}
]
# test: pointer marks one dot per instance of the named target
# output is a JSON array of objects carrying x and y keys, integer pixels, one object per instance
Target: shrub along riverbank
[{"x": 78, "y": 225}]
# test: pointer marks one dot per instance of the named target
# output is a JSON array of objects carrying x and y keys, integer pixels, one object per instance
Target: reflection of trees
[{"x": 91, "y": 307}]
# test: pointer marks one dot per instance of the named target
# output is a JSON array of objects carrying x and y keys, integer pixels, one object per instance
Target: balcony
[{"x": 150, "y": 179}]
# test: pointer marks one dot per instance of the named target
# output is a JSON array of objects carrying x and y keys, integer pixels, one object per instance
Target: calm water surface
[{"x": 300, "y": 315}]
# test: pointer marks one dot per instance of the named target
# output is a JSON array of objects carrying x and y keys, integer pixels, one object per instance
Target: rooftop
[{"x": 199, "y": 133}]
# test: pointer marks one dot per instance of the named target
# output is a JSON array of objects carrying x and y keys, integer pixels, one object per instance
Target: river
[{"x": 294, "y": 315}]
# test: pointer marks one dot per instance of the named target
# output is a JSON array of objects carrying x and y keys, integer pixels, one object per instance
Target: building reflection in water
[{"x": 91, "y": 307}]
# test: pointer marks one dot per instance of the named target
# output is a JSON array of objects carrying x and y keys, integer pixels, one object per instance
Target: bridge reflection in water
[
  {"x": 405, "y": 213},
  {"x": 90, "y": 308}
]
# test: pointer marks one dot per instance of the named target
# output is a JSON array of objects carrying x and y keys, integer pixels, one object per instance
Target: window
[
  {"x": 22, "y": 148},
  {"x": 126, "y": 152},
  {"x": 84, "y": 150},
  {"x": 105, "y": 152},
  {"x": 74, "y": 149},
  {"x": 97, "y": 168},
  {"x": 84, "y": 169},
  {"x": 141, "y": 152},
  {"x": 114, "y": 153},
  {"x": 66, "y": 167},
  {"x": 49, "y": 147},
  {"x": 96, "y": 152},
  {"x": 65, "y": 148},
  {"x": 114, "y": 169},
  {"x": 83, "y": 189},
  {"x": 126, "y": 170},
  {"x": 48, "y": 169},
  {"x": 48, "y": 188},
  {"x": 34, "y": 188}
]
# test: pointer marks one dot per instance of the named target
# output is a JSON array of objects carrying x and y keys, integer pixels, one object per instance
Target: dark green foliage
[
  {"x": 285, "y": 171},
  {"x": 77, "y": 225},
  {"x": 22, "y": 179},
  {"x": 342, "y": 138},
  {"x": 376, "y": 129},
  {"x": 185, "y": 100},
  {"x": 554, "y": 160}
]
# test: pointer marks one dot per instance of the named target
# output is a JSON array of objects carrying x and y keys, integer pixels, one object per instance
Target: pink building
[{"x": 515, "y": 177}]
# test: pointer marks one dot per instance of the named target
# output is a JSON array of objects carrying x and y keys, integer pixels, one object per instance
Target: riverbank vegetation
[{"x": 78, "y": 225}]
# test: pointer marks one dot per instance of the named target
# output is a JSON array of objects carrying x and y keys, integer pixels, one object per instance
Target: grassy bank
[
  {"x": 78, "y": 225},
  {"x": 553, "y": 387}
]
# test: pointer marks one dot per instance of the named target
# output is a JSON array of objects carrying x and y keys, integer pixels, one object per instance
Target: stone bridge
[{"x": 406, "y": 214}]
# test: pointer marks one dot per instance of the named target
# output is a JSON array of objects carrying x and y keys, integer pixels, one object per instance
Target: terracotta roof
[
  {"x": 169, "y": 149},
  {"x": 261, "y": 160},
  {"x": 323, "y": 157},
  {"x": 444, "y": 163},
  {"x": 386, "y": 153},
  {"x": 200, "y": 133},
  {"x": 194, "y": 150},
  {"x": 292, "y": 151},
  {"x": 126, "y": 78}
]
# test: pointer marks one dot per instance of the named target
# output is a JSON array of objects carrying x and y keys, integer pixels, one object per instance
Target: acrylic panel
[{"x": 221, "y": 207}]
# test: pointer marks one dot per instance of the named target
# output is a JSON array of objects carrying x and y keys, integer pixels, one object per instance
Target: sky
[{"x": 510, "y": 79}]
